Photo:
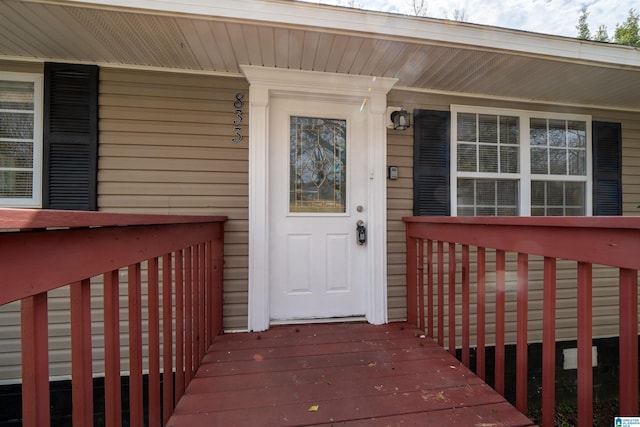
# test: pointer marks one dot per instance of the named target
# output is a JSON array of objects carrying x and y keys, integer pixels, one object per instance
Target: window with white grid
[
  {"x": 20, "y": 139},
  {"x": 513, "y": 162}
]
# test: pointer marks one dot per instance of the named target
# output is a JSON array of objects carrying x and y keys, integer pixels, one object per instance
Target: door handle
[{"x": 361, "y": 232}]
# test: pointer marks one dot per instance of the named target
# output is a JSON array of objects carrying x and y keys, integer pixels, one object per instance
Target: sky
[{"x": 556, "y": 17}]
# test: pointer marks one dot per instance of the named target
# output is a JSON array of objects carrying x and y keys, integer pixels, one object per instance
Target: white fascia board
[{"x": 383, "y": 25}]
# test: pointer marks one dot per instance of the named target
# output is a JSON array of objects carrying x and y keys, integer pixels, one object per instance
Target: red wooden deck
[{"x": 338, "y": 374}]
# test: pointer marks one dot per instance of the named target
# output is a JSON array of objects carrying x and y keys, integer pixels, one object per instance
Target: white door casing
[{"x": 370, "y": 93}]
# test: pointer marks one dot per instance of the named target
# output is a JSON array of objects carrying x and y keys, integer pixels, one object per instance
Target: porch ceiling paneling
[{"x": 199, "y": 43}]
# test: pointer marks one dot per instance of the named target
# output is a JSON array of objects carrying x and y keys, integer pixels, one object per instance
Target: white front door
[{"x": 317, "y": 194}]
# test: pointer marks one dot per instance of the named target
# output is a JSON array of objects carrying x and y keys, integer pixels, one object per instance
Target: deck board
[{"x": 356, "y": 374}]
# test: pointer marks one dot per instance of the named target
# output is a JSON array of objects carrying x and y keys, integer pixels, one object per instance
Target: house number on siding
[{"x": 238, "y": 103}]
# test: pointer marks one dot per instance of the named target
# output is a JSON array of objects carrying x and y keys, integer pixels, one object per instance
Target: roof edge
[{"x": 297, "y": 14}]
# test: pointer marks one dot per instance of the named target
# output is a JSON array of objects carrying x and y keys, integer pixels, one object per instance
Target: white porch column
[
  {"x": 258, "y": 207},
  {"x": 377, "y": 310}
]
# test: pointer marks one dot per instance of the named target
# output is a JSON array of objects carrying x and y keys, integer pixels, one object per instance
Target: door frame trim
[{"x": 266, "y": 82}]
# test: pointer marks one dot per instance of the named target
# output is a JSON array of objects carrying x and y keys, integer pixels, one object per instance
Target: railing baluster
[
  {"x": 628, "y": 342},
  {"x": 430, "y": 287},
  {"x": 81, "y": 376},
  {"x": 154, "y": 343},
  {"x": 521, "y": 335},
  {"x": 412, "y": 279},
  {"x": 180, "y": 324},
  {"x": 500, "y": 303},
  {"x": 112, "y": 390},
  {"x": 585, "y": 370},
  {"x": 441, "y": 293},
  {"x": 136, "y": 408},
  {"x": 201, "y": 301},
  {"x": 452, "y": 298},
  {"x": 196, "y": 307},
  {"x": 421, "y": 284},
  {"x": 549, "y": 343},
  {"x": 188, "y": 314},
  {"x": 465, "y": 306},
  {"x": 480, "y": 313},
  {"x": 217, "y": 272},
  {"x": 35, "y": 361},
  {"x": 201, "y": 268},
  {"x": 208, "y": 335},
  {"x": 167, "y": 340}
]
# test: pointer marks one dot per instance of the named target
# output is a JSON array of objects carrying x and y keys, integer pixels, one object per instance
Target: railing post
[
  {"x": 430, "y": 287},
  {"x": 585, "y": 370},
  {"x": 466, "y": 356},
  {"x": 154, "y": 342},
  {"x": 441, "y": 293},
  {"x": 35, "y": 361},
  {"x": 167, "y": 340},
  {"x": 209, "y": 300},
  {"x": 136, "y": 407},
  {"x": 81, "y": 370},
  {"x": 188, "y": 315},
  {"x": 500, "y": 303},
  {"x": 412, "y": 278},
  {"x": 217, "y": 291},
  {"x": 112, "y": 389},
  {"x": 522, "y": 317},
  {"x": 196, "y": 308},
  {"x": 549, "y": 343},
  {"x": 180, "y": 325},
  {"x": 452, "y": 298},
  {"x": 421, "y": 284},
  {"x": 481, "y": 311},
  {"x": 628, "y": 342},
  {"x": 202, "y": 264}
]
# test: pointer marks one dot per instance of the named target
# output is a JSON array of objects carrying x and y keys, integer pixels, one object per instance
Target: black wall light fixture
[{"x": 401, "y": 119}]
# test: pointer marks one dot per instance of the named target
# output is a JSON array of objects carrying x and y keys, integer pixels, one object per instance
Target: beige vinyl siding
[
  {"x": 399, "y": 205},
  {"x": 21, "y": 67},
  {"x": 165, "y": 147},
  {"x": 605, "y": 287}
]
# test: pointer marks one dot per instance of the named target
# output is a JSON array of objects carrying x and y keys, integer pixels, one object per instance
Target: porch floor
[{"x": 351, "y": 374}]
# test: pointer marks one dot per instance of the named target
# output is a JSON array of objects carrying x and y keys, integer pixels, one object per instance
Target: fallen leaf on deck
[{"x": 314, "y": 408}]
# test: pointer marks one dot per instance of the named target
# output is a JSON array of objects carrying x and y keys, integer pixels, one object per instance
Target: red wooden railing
[
  {"x": 44, "y": 250},
  {"x": 588, "y": 240}
]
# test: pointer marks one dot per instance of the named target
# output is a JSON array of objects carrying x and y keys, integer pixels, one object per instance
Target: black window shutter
[
  {"x": 431, "y": 154},
  {"x": 70, "y": 136},
  {"x": 607, "y": 168}
]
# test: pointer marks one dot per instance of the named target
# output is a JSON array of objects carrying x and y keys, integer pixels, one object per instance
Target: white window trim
[
  {"x": 36, "y": 200},
  {"x": 525, "y": 177}
]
